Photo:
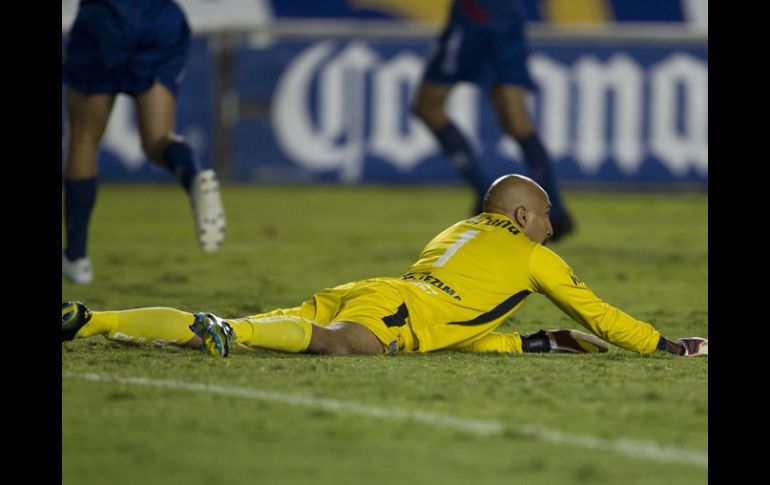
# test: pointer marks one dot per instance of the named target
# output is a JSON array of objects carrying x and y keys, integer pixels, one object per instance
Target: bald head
[
  {"x": 524, "y": 201},
  {"x": 512, "y": 191}
]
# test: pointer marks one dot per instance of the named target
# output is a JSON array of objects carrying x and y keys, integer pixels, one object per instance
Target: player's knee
[
  {"x": 343, "y": 338},
  {"x": 155, "y": 148},
  {"x": 422, "y": 110},
  {"x": 516, "y": 122},
  {"x": 433, "y": 116}
]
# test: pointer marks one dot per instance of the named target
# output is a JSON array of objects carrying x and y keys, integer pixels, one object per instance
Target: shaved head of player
[{"x": 525, "y": 202}]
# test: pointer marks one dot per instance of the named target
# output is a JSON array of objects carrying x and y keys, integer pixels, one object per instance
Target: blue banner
[{"x": 338, "y": 111}]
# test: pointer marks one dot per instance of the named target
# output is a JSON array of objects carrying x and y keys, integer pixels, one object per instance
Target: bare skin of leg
[
  {"x": 510, "y": 103},
  {"x": 338, "y": 338},
  {"x": 87, "y": 115},
  {"x": 156, "y": 117},
  {"x": 429, "y": 104},
  {"x": 344, "y": 338}
]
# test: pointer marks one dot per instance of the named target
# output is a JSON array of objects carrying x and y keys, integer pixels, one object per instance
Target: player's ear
[{"x": 520, "y": 216}]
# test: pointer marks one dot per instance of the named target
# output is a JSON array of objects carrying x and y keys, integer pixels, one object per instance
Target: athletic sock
[
  {"x": 153, "y": 325},
  {"x": 285, "y": 333},
  {"x": 541, "y": 170},
  {"x": 457, "y": 148},
  {"x": 178, "y": 157},
  {"x": 79, "y": 200}
]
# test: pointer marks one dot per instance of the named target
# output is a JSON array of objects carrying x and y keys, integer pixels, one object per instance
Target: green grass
[{"x": 644, "y": 253}]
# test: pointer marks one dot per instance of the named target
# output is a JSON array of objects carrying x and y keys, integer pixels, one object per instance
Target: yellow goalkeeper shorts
[{"x": 376, "y": 304}]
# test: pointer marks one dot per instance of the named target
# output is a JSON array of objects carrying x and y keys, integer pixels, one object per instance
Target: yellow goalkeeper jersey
[{"x": 476, "y": 273}]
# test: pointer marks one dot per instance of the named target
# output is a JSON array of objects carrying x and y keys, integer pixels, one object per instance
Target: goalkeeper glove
[
  {"x": 687, "y": 346},
  {"x": 571, "y": 341}
]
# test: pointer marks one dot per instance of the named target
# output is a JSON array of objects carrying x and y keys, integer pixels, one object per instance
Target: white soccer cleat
[
  {"x": 208, "y": 212},
  {"x": 78, "y": 272}
]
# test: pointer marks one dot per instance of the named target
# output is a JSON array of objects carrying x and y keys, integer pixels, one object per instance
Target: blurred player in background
[
  {"x": 466, "y": 282},
  {"x": 484, "y": 43},
  {"x": 136, "y": 47}
]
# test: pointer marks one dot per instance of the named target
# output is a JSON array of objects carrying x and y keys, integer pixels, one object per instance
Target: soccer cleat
[
  {"x": 217, "y": 335},
  {"x": 78, "y": 271},
  {"x": 208, "y": 212},
  {"x": 73, "y": 316},
  {"x": 694, "y": 346},
  {"x": 576, "y": 342}
]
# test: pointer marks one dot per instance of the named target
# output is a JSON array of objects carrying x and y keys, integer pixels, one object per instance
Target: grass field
[{"x": 152, "y": 415}]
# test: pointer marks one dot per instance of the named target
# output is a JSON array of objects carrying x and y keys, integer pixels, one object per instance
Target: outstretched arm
[{"x": 551, "y": 276}]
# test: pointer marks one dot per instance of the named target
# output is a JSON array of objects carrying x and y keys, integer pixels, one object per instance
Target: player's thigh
[
  {"x": 429, "y": 103},
  {"x": 87, "y": 116},
  {"x": 343, "y": 338},
  {"x": 321, "y": 309},
  {"x": 460, "y": 55},
  {"x": 97, "y": 50},
  {"x": 510, "y": 104},
  {"x": 166, "y": 35},
  {"x": 378, "y": 306}
]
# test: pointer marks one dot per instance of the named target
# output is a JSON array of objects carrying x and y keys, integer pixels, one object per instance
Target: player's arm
[{"x": 551, "y": 276}]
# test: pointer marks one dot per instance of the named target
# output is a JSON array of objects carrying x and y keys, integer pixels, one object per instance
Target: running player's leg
[
  {"x": 156, "y": 109},
  {"x": 87, "y": 116},
  {"x": 509, "y": 93},
  {"x": 510, "y": 103},
  {"x": 457, "y": 56}
]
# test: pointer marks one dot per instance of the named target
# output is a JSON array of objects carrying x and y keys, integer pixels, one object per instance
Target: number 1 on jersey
[{"x": 451, "y": 250}]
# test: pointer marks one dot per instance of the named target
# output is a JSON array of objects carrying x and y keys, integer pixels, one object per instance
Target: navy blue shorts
[
  {"x": 482, "y": 53},
  {"x": 126, "y": 46}
]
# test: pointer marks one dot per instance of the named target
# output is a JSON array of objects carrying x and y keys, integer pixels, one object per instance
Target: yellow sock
[
  {"x": 286, "y": 333},
  {"x": 497, "y": 342},
  {"x": 156, "y": 325}
]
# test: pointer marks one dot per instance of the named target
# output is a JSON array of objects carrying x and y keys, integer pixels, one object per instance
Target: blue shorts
[
  {"x": 482, "y": 53},
  {"x": 126, "y": 46}
]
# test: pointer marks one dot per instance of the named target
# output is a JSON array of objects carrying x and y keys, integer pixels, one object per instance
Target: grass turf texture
[{"x": 644, "y": 253}]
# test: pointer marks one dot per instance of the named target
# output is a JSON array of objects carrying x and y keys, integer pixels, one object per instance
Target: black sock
[
  {"x": 79, "y": 200},
  {"x": 178, "y": 157},
  {"x": 459, "y": 151}
]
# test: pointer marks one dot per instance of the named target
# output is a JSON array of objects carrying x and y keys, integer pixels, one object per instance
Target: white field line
[{"x": 634, "y": 448}]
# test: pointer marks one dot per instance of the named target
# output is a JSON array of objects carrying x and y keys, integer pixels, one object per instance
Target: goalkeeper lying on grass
[{"x": 467, "y": 280}]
